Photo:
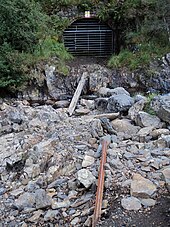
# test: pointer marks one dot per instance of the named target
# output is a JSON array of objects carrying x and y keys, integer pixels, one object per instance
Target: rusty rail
[{"x": 100, "y": 187}]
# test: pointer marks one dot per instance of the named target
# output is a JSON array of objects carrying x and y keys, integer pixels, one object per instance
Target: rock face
[
  {"x": 161, "y": 105},
  {"x": 51, "y": 80},
  {"x": 139, "y": 80},
  {"x": 142, "y": 187}
]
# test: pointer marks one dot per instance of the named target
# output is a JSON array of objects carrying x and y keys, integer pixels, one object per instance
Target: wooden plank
[{"x": 77, "y": 94}]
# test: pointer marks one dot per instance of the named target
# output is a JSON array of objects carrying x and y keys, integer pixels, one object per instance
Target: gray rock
[
  {"x": 87, "y": 161},
  {"x": 158, "y": 132},
  {"x": 26, "y": 200},
  {"x": 42, "y": 200},
  {"x": 116, "y": 163},
  {"x": 166, "y": 174},
  {"x": 131, "y": 203},
  {"x": 128, "y": 155},
  {"x": 142, "y": 187},
  {"x": 103, "y": 91},
  {"x": 17, "y": 192},
  {"x": 61, "y": 104},
  {"x": 101, "y": 104},
  {"x": 64, "y": 204},
  {"x": 145, "y": 131},
  {"x": 125, "y": 126},
  {"x": 117, "y": 103},
  {"x": 163, "y": 141},
  {"x": 118, "y": 91},
  {"x": 136, "y": 107},
  {"x": 50, "y": 215},
  {"x": 144, "y": 119},
  {"x": 161, "y": 105},
  {"x": 98, "y": 78},
  {"x": 87, "y": 103},
  {"x": 82, "y": 111},
  {"x": 85, "y": 177},
  {"x": 107, "y": 125},
  {"x": 148, "y": 202},
  {"x": 75, "y": 221},
  {"x": 98, "y": 153},
  {"x": 35, "y": 216},
  {"x": 51, "y": 81},
  {"x": 140, "y": 98}
]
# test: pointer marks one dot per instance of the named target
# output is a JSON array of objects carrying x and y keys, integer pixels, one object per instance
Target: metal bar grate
[{"x": 89, "y": 37}]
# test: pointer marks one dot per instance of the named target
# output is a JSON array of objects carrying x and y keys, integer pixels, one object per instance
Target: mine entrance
[{"x": 89, "y": 37}]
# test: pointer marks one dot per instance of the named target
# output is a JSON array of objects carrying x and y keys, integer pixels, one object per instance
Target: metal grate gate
[{"x": 89, "y": 37}]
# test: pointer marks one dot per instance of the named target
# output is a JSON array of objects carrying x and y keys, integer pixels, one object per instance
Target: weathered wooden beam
[
  {"x": 77, "y": 94},
  {"x": 100, "y": 186}
]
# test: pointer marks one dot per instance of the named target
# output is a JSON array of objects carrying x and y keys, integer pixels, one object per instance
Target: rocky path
[{"x": 49, "y": 161}]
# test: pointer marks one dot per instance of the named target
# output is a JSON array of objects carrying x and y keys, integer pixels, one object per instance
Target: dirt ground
[{"x": 157, "y": 216}]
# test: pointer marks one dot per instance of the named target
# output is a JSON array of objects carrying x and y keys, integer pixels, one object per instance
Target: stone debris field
[{"x": 49, "y": 161}]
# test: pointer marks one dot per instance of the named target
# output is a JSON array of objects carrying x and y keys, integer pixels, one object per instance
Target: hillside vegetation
[{"x": 31, "y": 32}]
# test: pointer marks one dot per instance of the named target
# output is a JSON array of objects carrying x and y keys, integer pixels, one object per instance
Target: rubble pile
[{"x": 49, "y": 161}]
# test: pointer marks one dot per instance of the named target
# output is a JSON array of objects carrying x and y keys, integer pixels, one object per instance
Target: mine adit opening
[{"x": 89, "y": 37}]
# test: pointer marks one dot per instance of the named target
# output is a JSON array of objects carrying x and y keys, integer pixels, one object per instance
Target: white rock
[
  {"x": 86, "y": 177},
  {"x": 88, "y": 161}
]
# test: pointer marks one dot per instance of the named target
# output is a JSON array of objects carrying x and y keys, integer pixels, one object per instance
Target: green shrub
[
  {"x": 148, "y": 107},
  {"x": 140, "y": 58}
]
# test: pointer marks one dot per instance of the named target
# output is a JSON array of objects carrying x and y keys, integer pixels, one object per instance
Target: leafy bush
[
  {"x": 139, "y": 58},
  {"x": 27, "y": 35}
]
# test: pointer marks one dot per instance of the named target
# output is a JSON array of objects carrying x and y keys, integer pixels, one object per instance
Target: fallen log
[
  {"x": 77, "y": 94},
  {"x": 100, "y": 186}
]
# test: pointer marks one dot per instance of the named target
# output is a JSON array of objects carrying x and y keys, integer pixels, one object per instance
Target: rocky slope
[{"x": 49, "y": 161}]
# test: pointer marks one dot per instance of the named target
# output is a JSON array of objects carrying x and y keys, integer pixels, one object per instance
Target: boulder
[
  {"x": 101, "y": 104},
  {"x": 117, "y": 91},
  {"x": 142, "y": 187},
  {"x": 161, "y": 105},
  {"x": 131, "y": 203},
  {"x": 26, "y": 200},
  {"x": 144, "y": 119},
  {"x": 121, "y": 102},
  {"x": 125, "y": 126}
]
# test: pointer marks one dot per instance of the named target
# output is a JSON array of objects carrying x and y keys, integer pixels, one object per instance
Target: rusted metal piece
[{"x": 100, "y": 187}]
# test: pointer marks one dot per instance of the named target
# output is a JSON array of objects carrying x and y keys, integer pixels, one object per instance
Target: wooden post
[{"x": 77, "y": 94}]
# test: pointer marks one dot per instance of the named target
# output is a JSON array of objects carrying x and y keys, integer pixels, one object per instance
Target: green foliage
[
  {"x": 31, "y": 31},
  {"x": 10, "y": 67},
  {"x": 140, "y": 58},
  {"x": 28, "y": 35},
  {"x": 22, "y": 23},
  {"x": 148, "y": 107}
]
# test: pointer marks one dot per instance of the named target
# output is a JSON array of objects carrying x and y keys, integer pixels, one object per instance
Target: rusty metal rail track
[{"x": 100, "y": 187}]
